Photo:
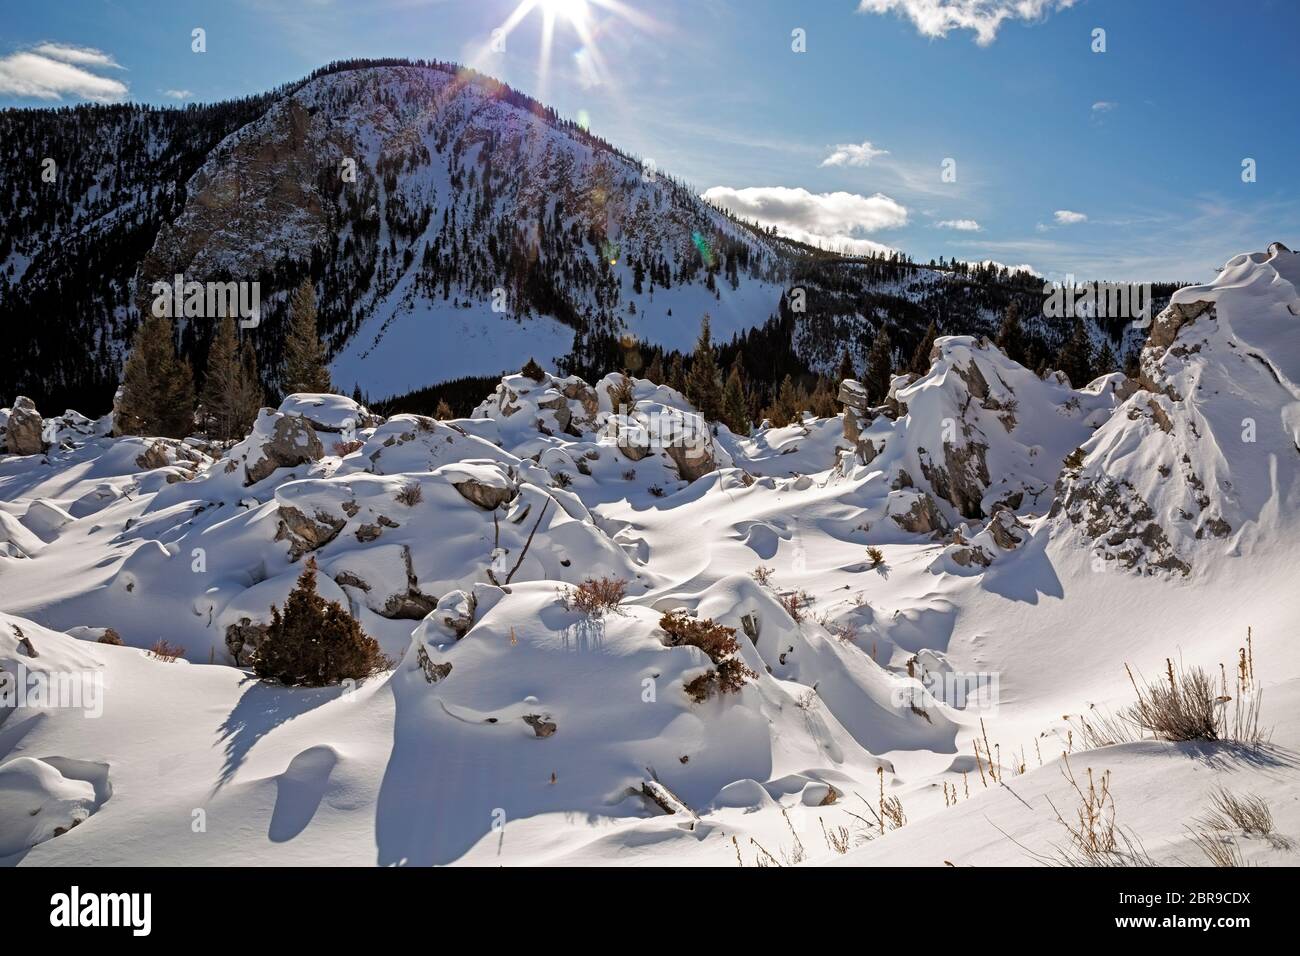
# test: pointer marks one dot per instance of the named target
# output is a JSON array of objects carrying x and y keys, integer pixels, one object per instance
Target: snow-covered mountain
[
  {"x": 429, "y": 205},
  {"x": 983, "y": 528}
]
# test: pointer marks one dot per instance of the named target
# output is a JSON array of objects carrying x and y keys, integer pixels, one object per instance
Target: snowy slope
[{"x": 1028, "y": 532}]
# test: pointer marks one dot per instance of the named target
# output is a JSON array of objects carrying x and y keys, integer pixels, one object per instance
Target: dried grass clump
[
  {"x": 163, "y": 650},
  {"x": 110, "y": 636},
  {"x": 595, "y": 596},
  {"x": 876, "y": 557},
  {"x": 718, "y": 643},
  {"x": 410, "y": 495},
  {"x": 1181, "y": 707},
  {"x": 1220, "y": 850},
  {"x": 1247, "y": 813}
]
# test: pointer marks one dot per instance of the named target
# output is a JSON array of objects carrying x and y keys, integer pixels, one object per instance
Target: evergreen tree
[
  {"x": 735, "y": 406},
  {"x": 677, "y": 374},
  {"x": 315, "y": 642},
  {"x": 1075, "y": 356},
  {"x": 231, "y": 393},
  {"x": 703, "y": 382},
  {"x": 847, "y": 371},
  {"x": 880, "y": 368},
  {"x": 157, "y": 385},
  {"x": 920, "y": 363},
  {"x": 1106, "y": 361},
  {"x": 788, "y": 404},
  {"x": 1011, "y": 337},
  {"x": 304, "y": 368},
  {"x": 655, "y": 372}
]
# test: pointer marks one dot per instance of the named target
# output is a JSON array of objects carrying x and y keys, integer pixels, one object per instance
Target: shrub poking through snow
[
  {"x": 532, "y": 370},
  {"x": 721, "y": 647},
  {"x": 164, "y": 651},
  {"x": 315, "y": 642},
  {"x": 656, "y": 490},
  {"x": 344, "y": 448},
  {"x": 762, "y": 574},
  {"x": 621, "y": 396},
  {"x": 594, "y": 596},
  {"x": 1181, "y": 707},
  {"x": 561, "y": 479},
  {"x": 111, "y": 636},
  {"x": 410, "y": 495},
  {"x": 876, "y": 557},
  {"x": 794, "y": 603}
]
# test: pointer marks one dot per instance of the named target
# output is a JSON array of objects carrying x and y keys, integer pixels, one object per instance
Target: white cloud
[
  {"x": 80, "y": 55},
  {"x": 818, "y": 213},
  {"x": 52, "y": 70},
  {"x": 178, "y": 94},
  {"x": 830, "y": 220},
  {"x": 1067, "y": 217},
  {"x": 961, "y": 225},
  {"x": 935, "y": 18},
  {"x": 1103, "y": 106},
  {"x": 851, "y": 154}
]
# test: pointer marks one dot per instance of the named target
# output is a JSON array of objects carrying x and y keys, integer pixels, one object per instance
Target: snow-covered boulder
[{"x": 38, "y": 803}]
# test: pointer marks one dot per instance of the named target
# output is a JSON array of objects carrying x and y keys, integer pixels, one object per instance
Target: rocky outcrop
[
  {"x": 923, "y": 517},
  {"x": 542, "y": 727},
  {"x": 292, "y": 442},
  {"x": 305, "y": 534},
  {"x": 432, "y": 672},
  {"x": 23, "y": 431},
  {"x": 243, "y": 638}
]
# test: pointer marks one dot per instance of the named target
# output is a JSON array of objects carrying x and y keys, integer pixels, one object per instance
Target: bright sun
[
  {"x": 578, "y": 16},
  {"x": 574, "y": 11}
]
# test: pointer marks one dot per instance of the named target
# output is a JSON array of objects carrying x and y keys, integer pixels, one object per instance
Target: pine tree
[
  {"x": 1011, "y": 337},
  {"x": 735, "y": 406},
  {"x": 1106, "y": 361},
  {"x": 315, "y": 642},
  {"x": 655, "y": 373},
  {"x": 788, "y": 404},
  {"x": 231, "y": 393},
  {"x": 1075, "y": 357},
  {"x": 847, "y": 371},
  {"x": 920, "y": 363},
  {"x": 305, "y": 369},
  {"x": 880, "y": 368},
  {"x": 677, "y": 374},
  {"x": 703, "y": 382},
  {"x": 157, "y": 385}
]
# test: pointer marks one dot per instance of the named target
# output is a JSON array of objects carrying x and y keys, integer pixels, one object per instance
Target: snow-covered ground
[{"x": 1034, "y": 540}]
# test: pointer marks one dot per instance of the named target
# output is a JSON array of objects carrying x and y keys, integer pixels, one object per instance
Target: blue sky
[{"x": 1125, "y": 164}]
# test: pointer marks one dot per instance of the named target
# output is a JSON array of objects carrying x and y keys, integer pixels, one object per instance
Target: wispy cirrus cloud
[
  {"x": 1068, "y": 217},
  {"x": 960, "y": 225},
  {"x": 178, "y": 94},
  {"x": 1104, "y": 106},
  {"x": 835, "y": 220},
  {"x": 50, "y": 71},
  {"x": 853, "y": 154},
  {"x": 936, "y": 18}
]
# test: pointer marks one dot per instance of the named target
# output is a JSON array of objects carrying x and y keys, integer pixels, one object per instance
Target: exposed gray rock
[
  {"x": 541, "y": 726},
  {"x": 293, "y": 442},
  {"x": 23, "y": 432},
  {"x": 304, "y": 534}
]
